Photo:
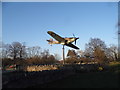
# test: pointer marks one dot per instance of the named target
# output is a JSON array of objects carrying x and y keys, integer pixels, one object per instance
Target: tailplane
[{"x": 50, "y": 41}]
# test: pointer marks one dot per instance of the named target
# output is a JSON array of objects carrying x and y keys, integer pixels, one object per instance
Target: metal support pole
[{"x": 63, "y": 55}]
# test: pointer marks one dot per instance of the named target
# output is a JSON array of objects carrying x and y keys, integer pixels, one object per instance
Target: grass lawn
[
  {"x": 102, "y": 79},
  {"x": 87, "y": 80}
]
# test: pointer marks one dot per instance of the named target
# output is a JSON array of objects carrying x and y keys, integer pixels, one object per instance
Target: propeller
[
  {"x": 75, "y": 38},
  {"x": 73, "y": 35}
]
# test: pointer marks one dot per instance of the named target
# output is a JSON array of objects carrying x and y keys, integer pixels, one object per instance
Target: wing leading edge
[
  {"x": 56, "y": 36},
  {"x": 71, "y": 45}
]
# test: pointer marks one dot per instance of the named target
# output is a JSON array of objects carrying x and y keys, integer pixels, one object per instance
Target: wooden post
[{"x": 63, "y": 55}]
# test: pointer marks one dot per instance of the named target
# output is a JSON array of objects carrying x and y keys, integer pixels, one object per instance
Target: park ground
[
  {"x": 100, "y": 79},
  {"x": 86, "y": 80}
]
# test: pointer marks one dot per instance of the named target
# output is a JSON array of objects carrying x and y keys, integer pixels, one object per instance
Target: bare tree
[
  {"x": 4, "y": 51},
  {"x": 71, "y": 57},
  {"x": 33, "y": 51},
  {"x": 57, "y": 57},
  {"x": 45, "y": 54},
  {"x": 96, "y": 48},
  {"x": 71, "y": 53},
  {"x": 99, "y": 55},
  {"x": 17, "y": 50},
  {"x": 96, "y": 42},
  {"x": 80, "y": 53},
  {"x": 112, "y": 52}
]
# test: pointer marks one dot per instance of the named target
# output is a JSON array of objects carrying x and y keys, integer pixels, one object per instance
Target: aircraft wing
[
  {"x": 55, "y": 36},
  {"x": 71, "y": 45}
]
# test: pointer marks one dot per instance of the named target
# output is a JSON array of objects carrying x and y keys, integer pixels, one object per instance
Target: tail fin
[{"x": 50, "y": 41}]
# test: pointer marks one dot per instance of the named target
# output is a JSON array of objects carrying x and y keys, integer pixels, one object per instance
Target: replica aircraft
[{"x": 61, "y": 40}]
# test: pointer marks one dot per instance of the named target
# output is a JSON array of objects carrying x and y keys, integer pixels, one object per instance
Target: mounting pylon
[{"x": 63, "y": 55}]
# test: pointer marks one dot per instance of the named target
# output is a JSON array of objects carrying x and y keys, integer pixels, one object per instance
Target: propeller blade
[
  {"x": 75, "y": 38},
  {"x": 73, "y": 35},
  {"x": 75, "y": 42}
]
